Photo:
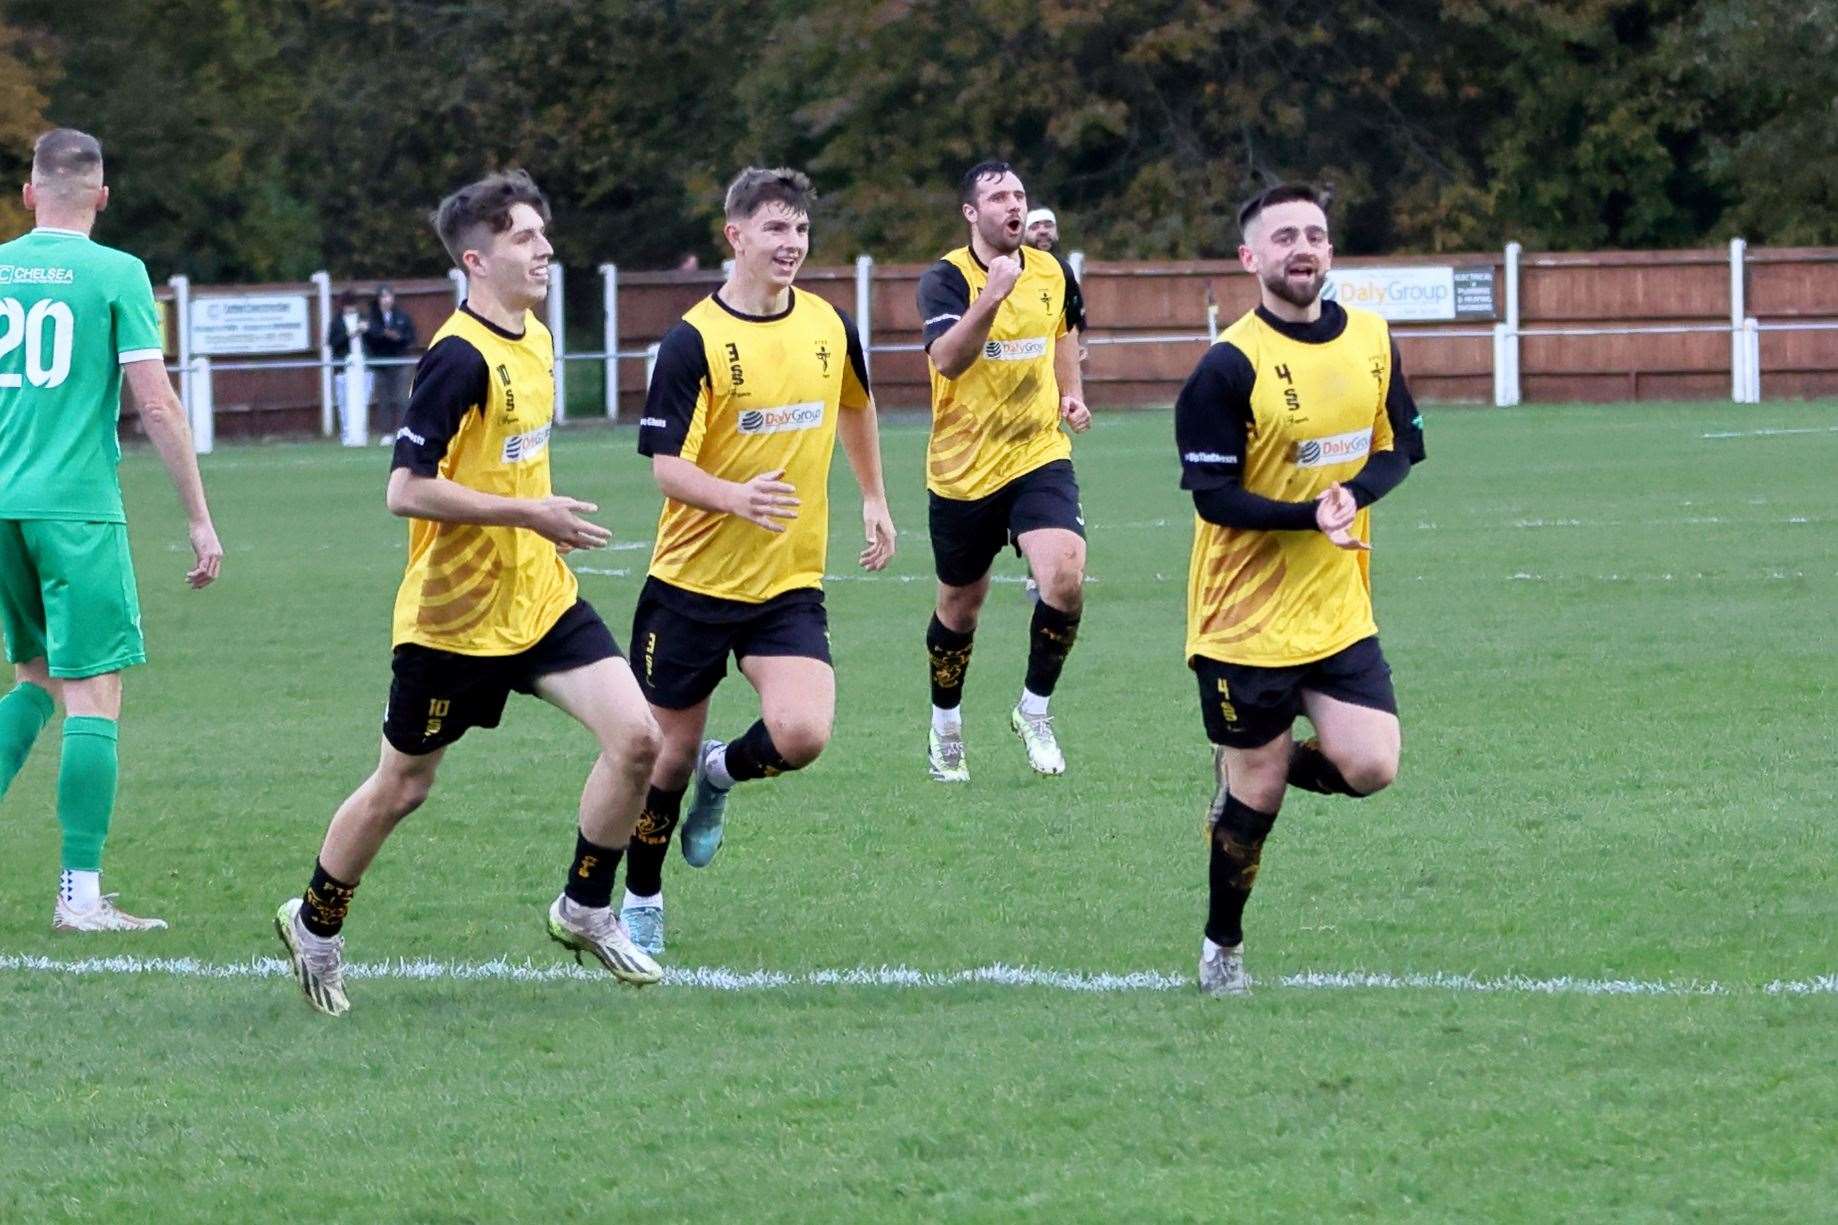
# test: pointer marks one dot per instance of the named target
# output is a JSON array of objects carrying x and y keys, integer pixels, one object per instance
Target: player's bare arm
[
  {"x": 953, "y": 352},
  {"x": 765, "y": 500},
  {"x": 163, "y": 417},
  {"x": 556, "y": 518},
  {"x": 859, "y": 433},
  {"x": 1071, "y": 379}
]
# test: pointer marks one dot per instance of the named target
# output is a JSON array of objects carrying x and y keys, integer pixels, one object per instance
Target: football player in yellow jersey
[
  {"x": 750, "y": 394},
  {"x": 1292, "y": 425},
  {"x": 487, "y": 605},
  {"x": 1005, "y": 375}
]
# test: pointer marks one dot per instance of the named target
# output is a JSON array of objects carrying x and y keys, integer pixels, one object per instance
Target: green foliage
[{"x": 253, "y": 140}]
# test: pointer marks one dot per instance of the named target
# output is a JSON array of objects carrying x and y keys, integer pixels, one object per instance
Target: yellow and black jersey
[
  {"x": 479, "y": 415},
  {"x": 738, "y": 395},
  {"x": 1000, "y": 418},
  {"x": 1274, "y": 414}
]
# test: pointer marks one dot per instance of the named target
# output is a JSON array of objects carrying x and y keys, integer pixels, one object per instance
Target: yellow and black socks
[
  {"x": 1050, "y": 639},
  {"x": 23, "y": 714},
  {"x": 644, "y": 862},
  {"x": 323, "y": 905},
  {"x": 950, "y": 656},
  {"x": 1310, "y": 770},
  {"x": 755, "y": 756},
  {"x": 1236, "y": 849},
  {"x": 591, "y": 875}
]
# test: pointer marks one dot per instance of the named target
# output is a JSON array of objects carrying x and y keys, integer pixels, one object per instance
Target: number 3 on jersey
[{"x": 19, "y": 326}]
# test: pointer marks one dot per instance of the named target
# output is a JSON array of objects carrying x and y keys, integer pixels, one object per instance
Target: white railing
[{"x": 1505, "y": 337}]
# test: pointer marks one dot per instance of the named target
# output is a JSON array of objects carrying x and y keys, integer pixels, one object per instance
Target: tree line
[{"x": 249, "y": 140}]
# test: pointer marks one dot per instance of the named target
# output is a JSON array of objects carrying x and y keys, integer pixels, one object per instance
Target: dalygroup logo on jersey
[
  {"x": 1334, "y": 449},
  {"x": 519, "y": 447},
  {"x": 786, "y": 417},
  {"x": 1016, "y": 350}
]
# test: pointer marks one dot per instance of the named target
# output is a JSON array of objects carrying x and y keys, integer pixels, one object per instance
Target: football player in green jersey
[{"x": 77, "y": 323}]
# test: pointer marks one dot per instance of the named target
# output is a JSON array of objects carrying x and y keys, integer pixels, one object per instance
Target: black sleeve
[
  {"x": 1075, "y": 299},
  {"x": 944, "y": 296},
  {"x": 451, "y": 380},
  {"x": 1385, "y": 470},
  {"x": 407, "y": 329},
  {"x": 1212, "y": 416},
  {"x": 858, "y": 360},
  {"x": 676, "y": 384},
  {"x": 337, "y": 339}
]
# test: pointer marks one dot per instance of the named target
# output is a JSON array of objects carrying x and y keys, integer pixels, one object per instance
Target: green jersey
[{"x": 72, "y": 313}]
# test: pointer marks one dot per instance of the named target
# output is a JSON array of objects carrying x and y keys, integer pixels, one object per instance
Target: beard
[
  {"x": 995, "y": 233},
  {"x": 1303, "y": 295}
]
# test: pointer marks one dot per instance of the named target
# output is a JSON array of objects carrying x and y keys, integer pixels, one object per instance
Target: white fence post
[
  {"x": 1506, "y": 391},
  {"x": 1739, "y": 349},
  {"x": 1751, "y": 335},
  {"x": 558, "y": 335},
  {"x": 864, "y": 307},
  {"x": 651, "y": 352},
  {"x": 181, "y": 307},
  {"x": 609, "y": 336},
  {"x": 203, "y": 407},
  {"x": 357, "y": 397},
  {"x": 327, "y": 422},
  {"x": 459, "y": 285}
]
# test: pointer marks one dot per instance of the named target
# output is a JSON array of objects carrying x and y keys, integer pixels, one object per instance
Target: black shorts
[
  {"x": 1246, "y": 707},
  {"x": 682, "y": 639},
  {"x": 435, "y": 695},
  {"x": 968, "y": 533}
]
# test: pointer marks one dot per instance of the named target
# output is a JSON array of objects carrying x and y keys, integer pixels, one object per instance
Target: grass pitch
[{"x": 1611, "y": 632}]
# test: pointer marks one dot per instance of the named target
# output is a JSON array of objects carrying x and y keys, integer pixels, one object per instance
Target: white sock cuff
[{"x": 632, "y": 899}]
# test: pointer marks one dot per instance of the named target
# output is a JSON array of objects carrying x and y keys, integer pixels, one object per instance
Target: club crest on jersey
[
  {"x": 1334, "y": 449},
  {"x": 823, "y": 355},
  {"x": 1015, "y": 350},
  {"x": 788, "y": 417}
]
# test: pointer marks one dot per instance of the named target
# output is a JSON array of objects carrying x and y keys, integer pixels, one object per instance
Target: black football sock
[
  {"x": 1237, "y": 848},
  {"x": 1050, "y": 639},
  {"x": 590, "y": 877},
  {"x": 950, "y": 652},
  {"x": 323, "y": 905},
  {"x": 644, "y": 861},
  {"x": 755, "y": 756},
  {"x": 1310, "y": 770}
]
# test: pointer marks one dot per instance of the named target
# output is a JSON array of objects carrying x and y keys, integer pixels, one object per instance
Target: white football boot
[
  {"x": 318, "y": 961},
  {"x": 104, "y": 916},
  {"x": 1036, "y": 732},
  {"x": 1222, "y": 971},
  {"x": 945, "y": 756},
  {"x": 582, "y": 929}
]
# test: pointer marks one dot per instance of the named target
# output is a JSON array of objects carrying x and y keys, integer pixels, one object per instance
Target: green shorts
[{"x": 67, "y": 596}]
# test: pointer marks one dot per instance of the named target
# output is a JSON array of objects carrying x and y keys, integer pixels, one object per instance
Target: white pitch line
[
  {"x": 720, "y": 978},
  {"x": 1772, "y": 433}
]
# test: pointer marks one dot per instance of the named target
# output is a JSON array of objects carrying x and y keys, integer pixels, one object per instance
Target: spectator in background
[
  {"x": 389, "y": 335},
  {"x": 1041, "y": 232},
  {"x": 348, "y": 325}
]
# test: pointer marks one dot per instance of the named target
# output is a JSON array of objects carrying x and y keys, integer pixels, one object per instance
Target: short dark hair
[
  {"x": 1282, "y": 193},
  {"x": 486, "y": 205},
  {"x": 966, "y": 187},
  {"x": 755, "y": 187},
  {"x": 65, "y": 153}
]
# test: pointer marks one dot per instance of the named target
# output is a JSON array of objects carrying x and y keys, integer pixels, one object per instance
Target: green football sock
[
  {"x": 86, "y": 790},
  {"x": 23, "y": 714}
]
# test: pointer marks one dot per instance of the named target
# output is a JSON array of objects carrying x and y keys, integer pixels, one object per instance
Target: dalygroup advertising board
[{"x": 1415, "y": 295}]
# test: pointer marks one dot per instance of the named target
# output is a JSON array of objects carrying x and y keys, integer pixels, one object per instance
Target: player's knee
[
  {"x": 1064, "y": 588},
  {"x": 958, "y": 607},
  {"x": 1370, "y": 773},
  {"x": 799, "y": 740},
  {"x": 634, "y": 746},
  {"x": 403, "y": 793}
]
